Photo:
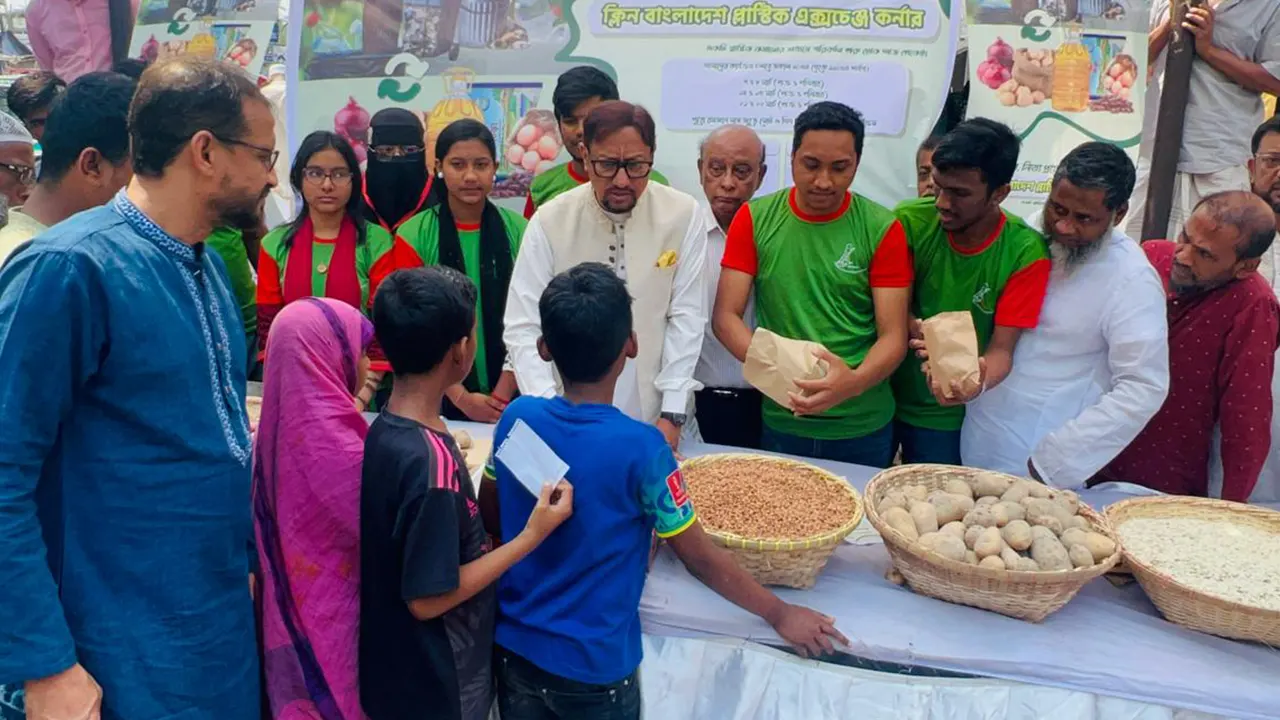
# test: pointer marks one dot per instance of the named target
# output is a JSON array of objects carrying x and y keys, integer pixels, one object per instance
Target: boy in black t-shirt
[{"x": 427, "y": 574}]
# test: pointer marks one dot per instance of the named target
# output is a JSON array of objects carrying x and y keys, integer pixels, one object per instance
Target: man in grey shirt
[{"x": 1237, "y": 59}]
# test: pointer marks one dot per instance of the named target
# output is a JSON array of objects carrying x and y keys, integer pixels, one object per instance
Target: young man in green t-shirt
[
  {"x": 578, "y": 91},
  {"x": 829, "y": 267},
  {"x": 968, "y": 255}
]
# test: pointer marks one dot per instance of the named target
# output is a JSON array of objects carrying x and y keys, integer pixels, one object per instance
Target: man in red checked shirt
[
  {"x": 969, "y": 256},
  {"x": 1224, "y": 324},
  {"x": 829, "y": 267}
]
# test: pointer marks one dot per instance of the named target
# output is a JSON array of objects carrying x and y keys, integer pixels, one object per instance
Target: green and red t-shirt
[
  {"x": 417, "y": 243},
  {"x": 562, "y": 178},
  {"x": 1000, "y": 282},
  {"x": 813, "y": 280}
]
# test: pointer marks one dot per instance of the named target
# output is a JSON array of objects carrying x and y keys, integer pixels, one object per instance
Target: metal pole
[{"x": 1168, "y": 140}]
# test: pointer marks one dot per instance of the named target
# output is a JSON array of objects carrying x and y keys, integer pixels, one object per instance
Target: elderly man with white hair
[{"x": 17, "y": 160}]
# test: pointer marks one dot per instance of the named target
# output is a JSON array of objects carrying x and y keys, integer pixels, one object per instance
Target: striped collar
[{"x": 147, "y": 228}]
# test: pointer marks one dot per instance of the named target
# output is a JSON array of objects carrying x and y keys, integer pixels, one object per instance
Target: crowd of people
[{"x": 166, "y": 559}]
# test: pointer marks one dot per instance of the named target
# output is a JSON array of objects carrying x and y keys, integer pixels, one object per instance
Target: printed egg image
[
  {"x": 535, "y": 143},
  {"x": 531, "y": 160},
  {"x": 548, "y": 147}
]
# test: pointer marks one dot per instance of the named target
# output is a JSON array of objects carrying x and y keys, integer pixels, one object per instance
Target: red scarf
[{"x": 341, "y": 281}]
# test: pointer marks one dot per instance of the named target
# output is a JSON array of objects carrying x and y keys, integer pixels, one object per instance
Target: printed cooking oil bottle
[{"x": 1072, "y": 68}]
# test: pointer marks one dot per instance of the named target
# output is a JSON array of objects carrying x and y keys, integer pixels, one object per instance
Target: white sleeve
[
  {"x": 686, "y": 321},
  {"x": 1137, "y": 329},
  {"x": 532, "y": 272}
]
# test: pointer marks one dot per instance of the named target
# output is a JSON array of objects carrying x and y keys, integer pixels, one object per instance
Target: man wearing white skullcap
[{"x": 17, "y": 160}]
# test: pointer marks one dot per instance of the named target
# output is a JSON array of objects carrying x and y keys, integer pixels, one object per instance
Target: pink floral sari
[{"x": 306, "y": 509}]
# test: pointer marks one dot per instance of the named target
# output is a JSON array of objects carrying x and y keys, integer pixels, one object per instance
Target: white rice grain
[{"x": 1232, "y": 562}]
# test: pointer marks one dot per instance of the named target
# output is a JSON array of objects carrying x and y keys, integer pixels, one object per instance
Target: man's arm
[
  {"x": 1261, "y": 77},
  {"x": 686, "y": 321},
  {"x": 50, "y": 349},
  {"x": 1245, "y": 405},
  {"x": 1136, "y": 330},
  {"x": 533, "y": 270},
  {"x": 737, "y": 275},
  {"x": 35, "y": 39},
  {"x": 1017, "y": 309}
]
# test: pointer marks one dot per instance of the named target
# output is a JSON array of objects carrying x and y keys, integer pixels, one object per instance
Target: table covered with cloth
[{"x": 1108, "y": 653}]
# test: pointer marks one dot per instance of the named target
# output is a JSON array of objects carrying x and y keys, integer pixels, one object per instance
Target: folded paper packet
[
  {"x": 952, "y": 344},
  {"x": 774, "y": 363}
]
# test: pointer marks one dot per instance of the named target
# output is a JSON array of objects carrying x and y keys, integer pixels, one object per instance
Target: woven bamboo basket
[
  {"x": 1019, "y": 594},
  {"x": 1181, "y": 604},
  {"x": 789, "y": 562}
]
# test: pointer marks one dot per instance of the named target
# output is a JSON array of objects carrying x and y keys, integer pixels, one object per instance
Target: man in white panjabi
[
  {"x": 1096, "y": 369},
  {"x": 654, "y": 237}
]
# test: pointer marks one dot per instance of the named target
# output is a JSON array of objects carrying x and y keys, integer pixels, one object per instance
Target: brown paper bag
[
  {"x": 952, "y": 344},
  {"x": 774, "y": 363}
]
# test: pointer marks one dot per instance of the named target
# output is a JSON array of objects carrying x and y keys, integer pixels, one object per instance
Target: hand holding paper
[
  {"x": 775, "y": 363},
  {"x": 531, "y": 461}
]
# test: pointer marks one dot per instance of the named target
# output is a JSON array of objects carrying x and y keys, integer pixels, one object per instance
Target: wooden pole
[{"x": 1168, "y": 140}]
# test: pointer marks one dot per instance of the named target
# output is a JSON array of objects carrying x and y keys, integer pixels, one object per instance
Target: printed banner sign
[{"x": 238, "y": 31}]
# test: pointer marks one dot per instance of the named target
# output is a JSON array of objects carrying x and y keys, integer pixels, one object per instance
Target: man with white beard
[{"x": 1087, "y": 379}]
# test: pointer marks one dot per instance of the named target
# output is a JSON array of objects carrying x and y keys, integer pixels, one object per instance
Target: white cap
[{"x": 13, "y": 131}]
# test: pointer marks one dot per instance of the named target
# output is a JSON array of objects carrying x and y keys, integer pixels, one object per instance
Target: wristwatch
[{"x": 677, "y": 419}]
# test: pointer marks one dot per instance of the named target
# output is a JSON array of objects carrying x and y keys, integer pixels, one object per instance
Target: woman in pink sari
[{"x": 306, "y": 509}]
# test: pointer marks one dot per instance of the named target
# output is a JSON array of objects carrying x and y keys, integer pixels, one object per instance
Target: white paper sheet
[{"x": 530, "y": 459}]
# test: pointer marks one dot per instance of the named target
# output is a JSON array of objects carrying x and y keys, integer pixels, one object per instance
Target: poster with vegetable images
[
  {"x": 695, "y": 65},
  {"x": 237, "y": 31},
  {"x": 1060, "y": 73}
]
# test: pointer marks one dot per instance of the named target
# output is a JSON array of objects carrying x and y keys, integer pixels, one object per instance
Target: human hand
[
  {"x": 506, "y": 387},
  {"x": 479, "y": 407},
  {"x": 1199, "y": 22},
  {"x": 915, "y": 338},
  {"x": 839, "y": 384},
  {"x": 811, "y": 633},
  {"x": 72, "y": 694},
  {"x": 555, "y": 505},
  {"x": 670, "y": 432},
  {"x": 958, "y": 396}
]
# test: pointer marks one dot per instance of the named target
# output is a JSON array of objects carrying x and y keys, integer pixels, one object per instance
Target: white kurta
[{"x": 1088, "y": 378}]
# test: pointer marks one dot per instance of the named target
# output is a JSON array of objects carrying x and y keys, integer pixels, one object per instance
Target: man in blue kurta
[{"x": 124, "y": 471}]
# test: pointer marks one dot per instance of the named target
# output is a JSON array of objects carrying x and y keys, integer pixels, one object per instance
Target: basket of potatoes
[{"x": 989, "y": 540}]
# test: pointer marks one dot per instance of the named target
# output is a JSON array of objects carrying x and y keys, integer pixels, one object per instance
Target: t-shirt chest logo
[
  {"x": 982, "y": 299},
  {"x": 846, "y": 264}
]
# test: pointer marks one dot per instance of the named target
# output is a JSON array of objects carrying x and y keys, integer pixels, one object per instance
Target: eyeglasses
[
  {"x": 1270, "y": 161},
  {"x": 391, "y": 152},
  {"x": 608, "y": 169},
  {"x": 317, "y": 176},
  {"x": 24, "y": 174},
  {"x": 266, "y": 155}
]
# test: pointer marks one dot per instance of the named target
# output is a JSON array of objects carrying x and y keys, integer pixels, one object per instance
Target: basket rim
[
  {"x": 1227, "y": 506},
  {"x": 829, "y": 538},
  {"x": 1028, "y": 577}
]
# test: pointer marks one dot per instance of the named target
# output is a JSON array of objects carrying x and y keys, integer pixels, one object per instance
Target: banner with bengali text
[
  {"x": 1060, "y": 73},
  {"x": 695, "y": 64}
]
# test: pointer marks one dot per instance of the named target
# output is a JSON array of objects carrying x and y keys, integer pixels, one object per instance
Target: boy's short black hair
[
  {"x": 32, "y": 93},
  {"x": 1271, "y": 125},
  {"x": 829, "y": 115},
  {"x": 578, "y": 85},
  {"x": 92, "y": 113},
  {"x": 586, "y": 320},
  {"x": 419, "y": 313},
  {"x": 980, "y": 144}
]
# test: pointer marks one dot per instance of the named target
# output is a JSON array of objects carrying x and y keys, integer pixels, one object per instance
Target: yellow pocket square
[{"x": 667, "y": 259}]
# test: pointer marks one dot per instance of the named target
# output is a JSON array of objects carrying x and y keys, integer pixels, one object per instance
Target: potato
[
  {"x": 1080, "y": 556},
  {"x": 1068, "y": 501},
  {"x": 1001, "y": 513},
  {"x": 991, "y": 562},
  {"x": 1017, "y": 534},
  {"x": 950, "y": 506},
  {"x": 953, "y": 528},
  {"x": 925, "y": 517},
  {"x": 1007, "y": 99},
  {"x": 1073, "y": 536},
  {"x": 1008, "y": 86},
  {"x": 1037, "y": 97},
  {"x": 1012, "y": 510},
  {"x": 971, "y": 557},
  {"x": 1049, "y": 554},
  {"x": 971, "y": 534},
  {"x": 948, "y": 546},
  {"x": 989, "y": 543},
  {"x": 1038, "y": 531},
  {"x": 1039, "y": 490},
  {"x": 1040, "y": 508},
  {"x": 1017, "y": 492},
  {"x": 1027, "y": 565},
  {"x": 895, "y": 577},
  {"x": 1010, "y": 557},
  {"x": 988, "y": 484},
  {"x": 1047, "y": 521},
  {"x": 916, "y": 492},
  {"x": 892, "y": 499},
  {"x": 987, "y": 500},
  {"x": 1099, "y": 545},
  {"x": 900, "y": 520},
  {"x": 956, "y": 486},
  {"x": 1076, "y": 521},
  {"x": 1023, "y": 100},
  {"x": 984, "y": 516},
  {"x": 462, "y": 438}
]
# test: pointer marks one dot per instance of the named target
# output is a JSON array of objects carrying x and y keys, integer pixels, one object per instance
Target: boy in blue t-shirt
[
  {"x": 569, "y": 613},
  {"x": 426, "y": 571}
]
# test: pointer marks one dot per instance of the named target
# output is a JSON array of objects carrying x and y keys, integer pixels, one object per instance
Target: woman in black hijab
[{"x": 397, "y": 184}]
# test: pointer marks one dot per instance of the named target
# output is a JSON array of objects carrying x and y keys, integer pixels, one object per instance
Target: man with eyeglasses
[
  {"x": 17, "y": 161},
  {"x": 397, "y": 183},
  {"x": 1264, "y": 174},
  {"x": 125, "y": 472},
  {"x": 653, "y": 237}
]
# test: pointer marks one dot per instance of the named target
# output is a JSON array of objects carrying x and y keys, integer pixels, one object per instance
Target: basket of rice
[
  {"x": 781, "y": 519},
  {"x": 992, "y": 541},
  {"x": 1210, "y": 565}
]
